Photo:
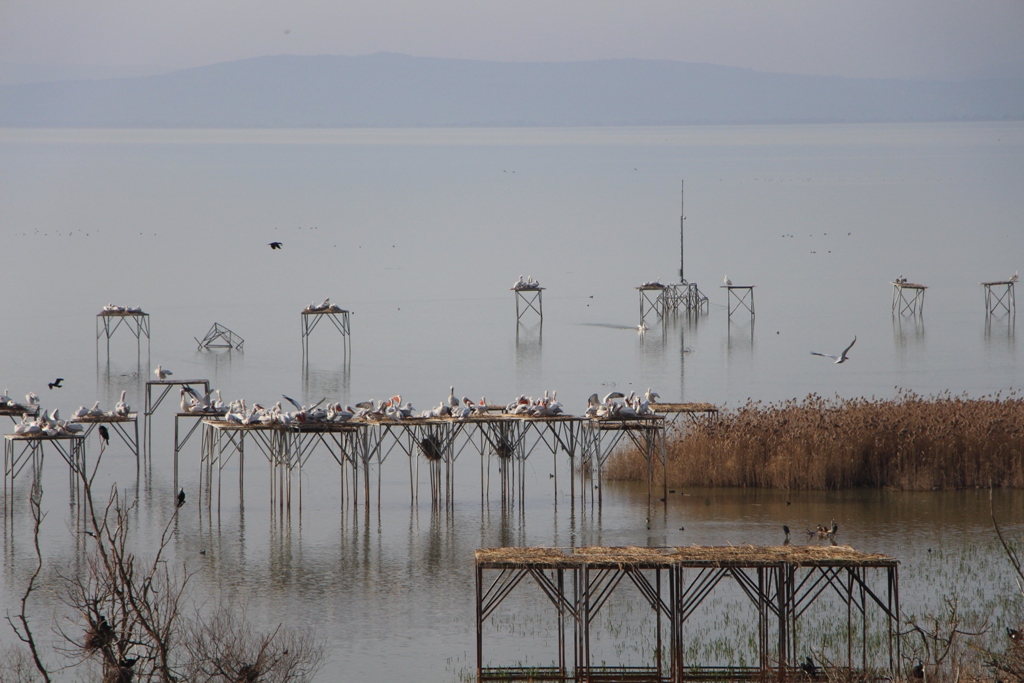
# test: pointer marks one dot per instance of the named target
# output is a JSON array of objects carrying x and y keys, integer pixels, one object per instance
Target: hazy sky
[{"x": 868, "y": 38}]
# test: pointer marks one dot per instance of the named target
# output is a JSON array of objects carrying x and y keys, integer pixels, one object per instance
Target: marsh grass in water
[{"x": 910, "y": 442}]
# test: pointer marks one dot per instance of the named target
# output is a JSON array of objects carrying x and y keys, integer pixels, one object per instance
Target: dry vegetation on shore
[{"x": 909, "y": 442}]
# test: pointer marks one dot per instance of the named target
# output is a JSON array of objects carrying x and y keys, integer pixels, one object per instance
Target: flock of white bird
[
  {"x": 613, "y": 405},
  {"x": 618, "y": 405},
  {"x": 528, "y": 283},
  {"x": 113, "y": 308},
  {"x": 325, "y": 307},
  {"x": 37, "y": 421}
]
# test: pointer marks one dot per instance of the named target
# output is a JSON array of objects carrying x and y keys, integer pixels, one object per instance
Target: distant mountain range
[{"x": 391, "y": 90}]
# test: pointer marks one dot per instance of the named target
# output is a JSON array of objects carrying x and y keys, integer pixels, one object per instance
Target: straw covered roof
[{"x": 689, "y": 556}]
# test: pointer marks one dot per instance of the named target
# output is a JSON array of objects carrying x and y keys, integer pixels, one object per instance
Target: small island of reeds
[{"x": 909, "y": 442}]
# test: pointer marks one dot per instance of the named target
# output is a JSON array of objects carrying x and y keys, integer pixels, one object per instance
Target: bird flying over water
[
  {"x": 56, "y": 383},
  {"x": 275, "y": 245},
  {"x": 841, "y": 358}
]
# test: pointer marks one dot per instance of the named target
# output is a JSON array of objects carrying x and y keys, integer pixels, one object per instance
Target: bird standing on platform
[
  {"x": 104, "y": 435},
  {"x": 181, "y": 497},
  {"x": 122, "y": 409},
  {"x": 727, "y": 281},
  {"x": 161, "y": 373},
  {"x": 56, "y": 383},
  {"x": 32, "y": 398},
  {"x": 275, "y": 245},
  {"x": 841, "y": 358},
  {"x": 1015, "y": 276}
]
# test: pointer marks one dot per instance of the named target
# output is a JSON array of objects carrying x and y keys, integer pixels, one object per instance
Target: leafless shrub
[
  {"x": 945, "y": 642},
  {"x": 125, "y": 619},
  {"x": 224, "y": 648}
]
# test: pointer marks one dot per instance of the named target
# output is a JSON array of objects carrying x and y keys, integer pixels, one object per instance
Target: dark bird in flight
[
  {"x": 276, "y": 245},
  {"x": 181, "y": 497},
  {"x": 104, "y": 434},
  {"x": 56, "y": 383}
]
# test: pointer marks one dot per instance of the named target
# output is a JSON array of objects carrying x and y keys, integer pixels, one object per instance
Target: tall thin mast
[{"x": 682, "y": 217}]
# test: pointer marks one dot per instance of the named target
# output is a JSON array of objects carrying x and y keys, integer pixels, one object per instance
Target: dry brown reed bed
[{"x": 910, "y": 442}]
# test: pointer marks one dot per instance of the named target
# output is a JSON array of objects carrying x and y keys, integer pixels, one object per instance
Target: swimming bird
[
  {"x": 275, "y": 245},
  {"x": 161, "y": 373},
  {"x": 181, "y": 497},
  {"x": 104, "y": 434},
  {"x": 841, "y": 358},
  {"x": 56, "y": 383}
]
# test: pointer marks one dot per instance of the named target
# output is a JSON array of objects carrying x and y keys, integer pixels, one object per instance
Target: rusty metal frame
[{"x": 780, "y": 591}]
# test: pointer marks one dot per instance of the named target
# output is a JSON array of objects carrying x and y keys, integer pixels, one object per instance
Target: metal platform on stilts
[
  {"x": 907, "y": 298},
  {"x": 312, "y": 316},
  {"x": 110, "y": 321},
  {"x": 781, "y": 584},
  {"x": 1000, "y": 297}
]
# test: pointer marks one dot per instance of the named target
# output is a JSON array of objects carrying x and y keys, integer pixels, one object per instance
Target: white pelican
[
  {"x": 612, "y": 395},
  {"x": 161, "y": 373},
  {"x": 122, "y": 409},
  {"x": 727, "y": 281},
  {"x": 1016, "y": 275},
  {"x": 651, "y": 396},
  {"x": 841, "y": 358},
  {"x": 452, "y": 401},
  {"x": 32, "y": 398},
  {"x": 292, "y": 401}
]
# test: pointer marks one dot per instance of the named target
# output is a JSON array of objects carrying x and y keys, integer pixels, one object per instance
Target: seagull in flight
[
  {"x": 841, "y": 358},
  {"x": 276, "y": 245}
]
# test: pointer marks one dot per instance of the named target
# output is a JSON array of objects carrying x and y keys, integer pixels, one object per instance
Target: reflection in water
[
  {"x": 333, "y": 383},
  {"x": 113, "y": 378},
  {"x": 907, "y": 330},
  {"x": 529, "y": 357},
  {"x": 220, "y": 363},
  {"x": 999, "y": 327},
  {"x": 741, "y": 335}
]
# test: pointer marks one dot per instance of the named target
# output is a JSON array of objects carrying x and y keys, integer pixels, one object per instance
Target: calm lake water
[{"x": 421, "y": 234}]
